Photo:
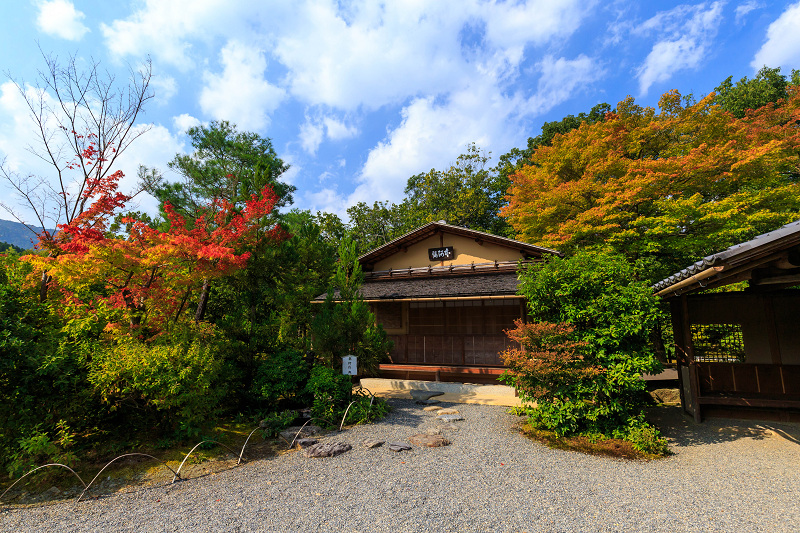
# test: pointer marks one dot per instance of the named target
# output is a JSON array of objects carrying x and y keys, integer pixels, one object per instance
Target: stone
[
  {"x": 398, "y": 447},
  {"x": 422, "y": 395},
  {"x": 450, "y": 427},
  {"x": 305, "y": 443},
  {"x": 667, "y": 396},
  {"x": 450, "y": 418},
  {"x": 309, "y": 431},
  {"x": 433, "y": 431},
  {"x": 448, "y": 411},
  {"x": 431, "y": 441},
  {"x": 433, "y": 408},
  {"x": 327, "y": 449},
  {"x": 373, "y": 443}
]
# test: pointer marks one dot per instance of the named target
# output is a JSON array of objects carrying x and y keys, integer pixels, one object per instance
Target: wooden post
[{"x": 694, "y": 383}]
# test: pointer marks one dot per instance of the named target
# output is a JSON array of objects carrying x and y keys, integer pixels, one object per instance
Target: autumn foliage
[
  {"x": 549, "y": 362},
  {"x": 146, "y": 277},
  {"x": 666, "y": 185}
]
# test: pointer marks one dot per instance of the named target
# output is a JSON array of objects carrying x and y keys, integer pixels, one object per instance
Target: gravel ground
[{"x": 724, "y": 476}]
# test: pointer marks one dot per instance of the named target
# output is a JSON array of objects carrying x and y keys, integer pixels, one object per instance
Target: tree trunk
[
  {"x": 203, "y": 302},
  {"x": 43, "y": 287},
  {"x": 658, "y": 342}
]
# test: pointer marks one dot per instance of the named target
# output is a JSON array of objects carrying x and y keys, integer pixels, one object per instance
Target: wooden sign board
[{"x": 441, "y": 254}]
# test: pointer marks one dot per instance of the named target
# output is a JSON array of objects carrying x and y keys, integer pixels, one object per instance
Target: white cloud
[
  {"x": 782, "y": 45},
  {"x": 314, "y": 131},
  {"x": 326, "y": 199},
  {"x": 165, "y": 88},
  {"x": 513, "y": 24},
  {"x": 311, "y": 135},
  {"x": 59, "y": 18},
  {"x": 164, "y": 29},
  {"x": 183, "y": 122},
  {"x": 742, "y": 10},
  {"x": 559, "y": 80},
  {"x": 689, "y": 33},
  {"x": 240, "y": 93},
  {"x": 430, "y": 136},
  {"x": 338, "y": 130}
]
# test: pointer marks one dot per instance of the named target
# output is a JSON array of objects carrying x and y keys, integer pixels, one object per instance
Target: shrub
[
  {"x": 645, "y": 437},
  {"x": 331, "y": 392},
  {"x": 280, "y": 376},
  {"x": 582, "y": 358},
  {"x": 366, "y": 409},
  {"x": 274, "y": 423},
  {"x": 38, "y": 448},
  {"x": 183, "y": 382}
]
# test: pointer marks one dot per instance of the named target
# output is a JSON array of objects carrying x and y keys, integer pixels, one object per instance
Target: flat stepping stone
[
  {"x": 327, "y": 449},
  {"x": 422, "y": 395},
  {"x": 448, "y": 411},
  {"x": 305, "y": 443},
  {"x": 450, "y": 427},
  {"x": 433, "y": 408},
  {"x": 373, "y": 443},
  {"x": 398, "y": 447},
  {"x": 450, "y": 418},
  {"x": 431, "y": 441}
]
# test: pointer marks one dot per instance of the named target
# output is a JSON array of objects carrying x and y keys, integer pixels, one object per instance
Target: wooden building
[
  {"x": 445, "y": 294},
  {"x": 739, "y": 352}
]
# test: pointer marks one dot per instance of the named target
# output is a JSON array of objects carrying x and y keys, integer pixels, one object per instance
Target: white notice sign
[{"x": 350, "y": 365}]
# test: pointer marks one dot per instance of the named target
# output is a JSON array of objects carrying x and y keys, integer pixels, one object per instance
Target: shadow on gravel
[{"x": 682, "y": 430}]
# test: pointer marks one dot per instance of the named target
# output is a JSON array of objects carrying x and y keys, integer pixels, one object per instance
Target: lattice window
[{"x": 718, "y": 343}]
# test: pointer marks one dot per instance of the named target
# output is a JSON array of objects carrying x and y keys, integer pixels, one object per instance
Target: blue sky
[{"x": 358, "y": 96}]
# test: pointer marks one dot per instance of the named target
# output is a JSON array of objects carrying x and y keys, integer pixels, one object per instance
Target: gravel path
[{"x": 729, "y": 476}]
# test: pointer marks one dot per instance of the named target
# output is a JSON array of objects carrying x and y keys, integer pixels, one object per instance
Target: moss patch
[{"x": 608, "y": 447}]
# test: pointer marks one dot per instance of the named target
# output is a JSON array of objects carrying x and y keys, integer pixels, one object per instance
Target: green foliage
[
  {"x": 467, "y": 194},
  {"x": 331, "y": 392},
  {"x": 768, "y": 86},
  {"x": 43, "y": 388},
  {"x": 39, "y": 448},
  {"x": 182, "y": 381},
  {"x": 645, "y": 437},
  {"x": 274, "y": 423},
  {"x": 226, "y": 164},
  {"x": 344, "y": 325},
  {"x": 584, "y": 368},
  {"x": 599, "y": 294},
  {"x": 280, "y": 376},
  {"x": 366, "y": 409}
]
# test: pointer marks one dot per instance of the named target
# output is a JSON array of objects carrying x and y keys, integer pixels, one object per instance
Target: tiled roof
[{"x": 781, "y": 238}]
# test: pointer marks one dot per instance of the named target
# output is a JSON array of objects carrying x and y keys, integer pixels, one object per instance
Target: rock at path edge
[{"x": 328, "y": 449}]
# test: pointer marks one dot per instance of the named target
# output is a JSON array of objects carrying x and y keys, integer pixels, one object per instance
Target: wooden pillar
[{"x": 694, "y": 382}]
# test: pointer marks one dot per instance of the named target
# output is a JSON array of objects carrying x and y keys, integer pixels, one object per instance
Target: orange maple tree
[{"x": 665, "y": 186}]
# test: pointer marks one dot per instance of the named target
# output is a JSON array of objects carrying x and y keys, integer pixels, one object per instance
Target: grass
[{"x": 606, "y": 447}]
